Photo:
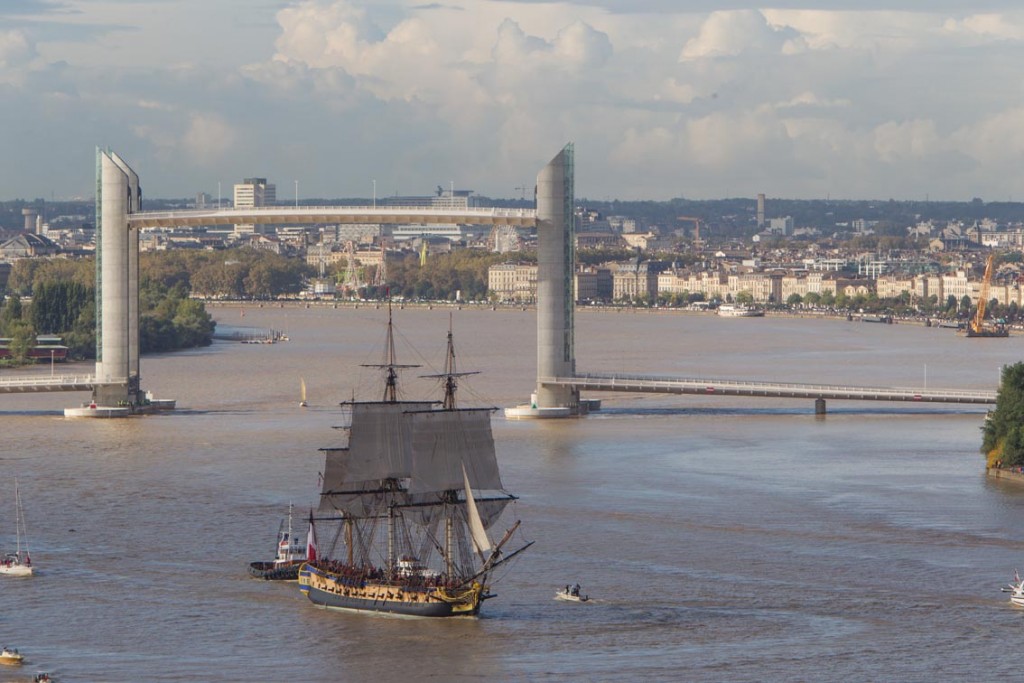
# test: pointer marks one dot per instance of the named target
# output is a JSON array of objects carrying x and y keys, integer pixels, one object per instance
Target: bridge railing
[
  {"x": 47, "y": 380},
  {"x": 806, "y": 389},
  {"x": 483, "y": 212}
]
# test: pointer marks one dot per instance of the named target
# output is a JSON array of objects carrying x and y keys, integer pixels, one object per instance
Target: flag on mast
[{"x": 311, "y": 540}]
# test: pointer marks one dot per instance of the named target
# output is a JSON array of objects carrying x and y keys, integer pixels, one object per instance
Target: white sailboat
[
  {"x": 17, "y": 563},
  {"x": 302, "y": 388}
]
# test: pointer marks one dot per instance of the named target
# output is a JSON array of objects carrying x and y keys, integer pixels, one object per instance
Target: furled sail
[{"x": 445, "y": 441}]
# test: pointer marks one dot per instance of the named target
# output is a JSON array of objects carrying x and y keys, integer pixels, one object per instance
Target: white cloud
[
  {"x": 208, "y": 138},
  {"x": 872, "y": 99},
  {"x": 731, "y": 33},
  {"x": 15, "y": 49}
]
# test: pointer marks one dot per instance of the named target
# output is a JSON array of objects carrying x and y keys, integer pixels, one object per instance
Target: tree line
[{"x": 63, "y": 303}]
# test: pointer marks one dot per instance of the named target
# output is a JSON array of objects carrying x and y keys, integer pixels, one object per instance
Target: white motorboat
[
  {"x": 571, "y": 594},
  {"x": 1016, "y": 590},
  {"x": 739, "y": 311},
  {"x": 9, "y": 656}
]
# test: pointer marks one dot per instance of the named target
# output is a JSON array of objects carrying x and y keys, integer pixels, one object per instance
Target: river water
[{"x": 719, "y": 538}]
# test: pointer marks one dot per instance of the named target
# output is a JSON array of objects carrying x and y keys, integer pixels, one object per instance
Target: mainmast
[{"x": 389, "y": 365}]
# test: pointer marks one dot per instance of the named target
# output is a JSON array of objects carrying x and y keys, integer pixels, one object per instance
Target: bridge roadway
[
  {"x": 726, "y": 387},
  {"x": 281, "y": 215},
  {"x": 40, "y": 383}
]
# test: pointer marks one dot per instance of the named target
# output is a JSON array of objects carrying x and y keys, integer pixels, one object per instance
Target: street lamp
[
  {"x": 375, "y": 194},
  {"x": 51, "y": 362}
]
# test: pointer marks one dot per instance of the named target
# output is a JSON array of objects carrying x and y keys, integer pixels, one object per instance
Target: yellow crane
[{"x": 977, "y": 328}]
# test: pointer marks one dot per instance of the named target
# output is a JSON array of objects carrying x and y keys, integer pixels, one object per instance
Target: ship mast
[
  {"x": 450, "y": 384},
  {"x": 449, "y": 378},
  {"x": 389, "y": 365}
]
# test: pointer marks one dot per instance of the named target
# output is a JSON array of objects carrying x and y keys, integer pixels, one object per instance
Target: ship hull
[{"x": 324, "y": 589}]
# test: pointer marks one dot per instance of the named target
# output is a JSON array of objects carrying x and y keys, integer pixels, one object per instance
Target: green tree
[
  {"x": 794, "y": 300},
  {"x": 10, "y": 315},
  {"x": 23, "y": 338},
  {"x": 1003, "y": 431},
  {"x": 193, "y": 325}
]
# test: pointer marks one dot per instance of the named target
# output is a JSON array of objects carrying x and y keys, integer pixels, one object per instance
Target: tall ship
[{"x": 412, "y": 499}]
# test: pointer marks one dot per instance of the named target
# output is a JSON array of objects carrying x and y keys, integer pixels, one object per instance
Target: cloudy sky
[{"x": 846, "y": 99}]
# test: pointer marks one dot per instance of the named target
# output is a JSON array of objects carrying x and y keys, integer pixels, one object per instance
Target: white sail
[
  {"x": 476, "y": 527},
  {"x": 445, "y": 441}
]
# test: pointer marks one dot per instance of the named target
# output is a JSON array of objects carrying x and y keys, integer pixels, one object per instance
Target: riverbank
[
  {"x": 580, "y": 309},
  {"x": 1015, "y": 475}
]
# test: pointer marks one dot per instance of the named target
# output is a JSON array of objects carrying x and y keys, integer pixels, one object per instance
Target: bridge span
[
  {"x": 305, "y": 215},
  {"x": 724, "y": 387},
  {"x": 28, "y": 385}
]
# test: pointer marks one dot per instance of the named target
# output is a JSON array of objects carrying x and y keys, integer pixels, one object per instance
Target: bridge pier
[
  {"x": 556, "y": 266},
  {"x": 118, "y": 389},
  {"x": 819, "y": 406}
]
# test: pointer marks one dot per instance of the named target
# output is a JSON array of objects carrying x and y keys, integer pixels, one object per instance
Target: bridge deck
[
  {"x": 335, "y": 214},
  {"x": 23, "y": 385},
  {"x": 725, "y": 387}
]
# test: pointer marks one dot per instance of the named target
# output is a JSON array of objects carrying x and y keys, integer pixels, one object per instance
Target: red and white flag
[{"x": 311, "y": 540}]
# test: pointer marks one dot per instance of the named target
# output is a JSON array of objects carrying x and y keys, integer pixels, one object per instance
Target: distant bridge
[
  {"x": 723, "y": 387},
  {"x": 305, "y": 215}
]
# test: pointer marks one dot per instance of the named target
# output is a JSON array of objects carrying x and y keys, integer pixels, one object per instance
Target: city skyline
[{"x": 699, "y": 99}]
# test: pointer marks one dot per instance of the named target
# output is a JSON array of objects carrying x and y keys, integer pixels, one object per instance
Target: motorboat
[
  {"x": 571, "y": 594},
  {"x": 9, "y": 656},
  {"x": 739, "y": 311},
  {"x": 1016, "y": 590}
]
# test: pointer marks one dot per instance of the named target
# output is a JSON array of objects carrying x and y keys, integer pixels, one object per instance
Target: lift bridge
[
  {"x": 559, "y": 385},
  {"x": 116, "y": 381}
]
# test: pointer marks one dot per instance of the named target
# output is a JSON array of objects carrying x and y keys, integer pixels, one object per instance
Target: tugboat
[
  {"x": 415, "y": 532},
  {"x": 291, "y": 553}
]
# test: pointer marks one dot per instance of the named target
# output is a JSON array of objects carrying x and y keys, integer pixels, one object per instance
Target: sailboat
[
  {"x": 413, "y": 496},
  {"x": 302, "y": 394},
  {"x": 291, "y": 553},
  {"x": 17, "y": 563}
]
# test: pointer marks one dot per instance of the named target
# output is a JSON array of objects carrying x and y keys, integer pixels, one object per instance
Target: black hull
[{"x": 267, "y": 571}]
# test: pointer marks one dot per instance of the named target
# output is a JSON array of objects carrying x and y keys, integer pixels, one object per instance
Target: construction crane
[
  {"x": 380, "y": 278},
  {"x": 697, "y": 244},
  {"x": 977, "y": 327}
]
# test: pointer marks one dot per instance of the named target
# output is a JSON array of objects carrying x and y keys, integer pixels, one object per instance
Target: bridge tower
[
  {"x": 556, "y": 267},
  {"x": 118, "y": 194}
]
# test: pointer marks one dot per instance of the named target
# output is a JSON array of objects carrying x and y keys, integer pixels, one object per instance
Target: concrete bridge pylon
[
  {"x": 117, "y": 389},
  {"x": 556, "y": 266}
]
